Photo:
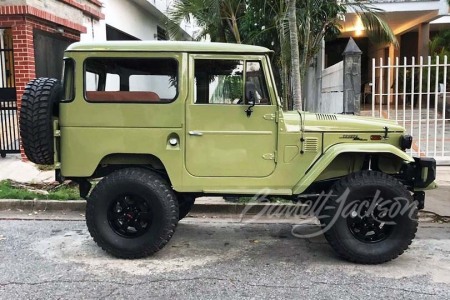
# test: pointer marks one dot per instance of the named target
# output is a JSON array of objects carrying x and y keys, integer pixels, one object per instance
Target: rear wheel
[
  {"x": 132, "y": 213},
  {"x": 371, "y": 218}
]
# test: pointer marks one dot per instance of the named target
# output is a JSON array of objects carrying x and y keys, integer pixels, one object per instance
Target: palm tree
[
  {"x": 318, "y": 18},
  {"x": 284, "y": 25},
  {"x": 295, "y": 55},
  {"x": 217, "y": 18}
]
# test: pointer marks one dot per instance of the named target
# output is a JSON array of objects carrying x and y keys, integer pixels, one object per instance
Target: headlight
[{"x": 406, "y": 142}]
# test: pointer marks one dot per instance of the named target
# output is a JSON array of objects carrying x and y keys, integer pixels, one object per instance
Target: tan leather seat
[{"x": 122, "y": 96}]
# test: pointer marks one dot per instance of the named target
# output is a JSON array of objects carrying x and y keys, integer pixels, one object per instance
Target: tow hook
[{"x": 419, "y": 198}]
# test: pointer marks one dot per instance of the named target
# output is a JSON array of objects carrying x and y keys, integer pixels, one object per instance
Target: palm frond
[{"x": 378, "y": 30}]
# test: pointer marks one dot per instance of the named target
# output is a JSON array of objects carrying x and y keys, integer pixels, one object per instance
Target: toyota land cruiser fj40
[{"x": 162, "y": 123}]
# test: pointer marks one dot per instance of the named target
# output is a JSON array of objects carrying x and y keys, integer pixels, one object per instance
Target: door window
[
  {"x": 219, "y": 81},
  {"x": 222, "y": 81},
  {"x": 255, "y": 74}
]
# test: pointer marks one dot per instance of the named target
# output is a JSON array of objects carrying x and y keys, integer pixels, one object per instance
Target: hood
[{"x": 338, "y": 122}]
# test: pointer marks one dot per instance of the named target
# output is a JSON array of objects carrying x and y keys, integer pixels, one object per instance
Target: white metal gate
[{"x": 416, "y": 94}]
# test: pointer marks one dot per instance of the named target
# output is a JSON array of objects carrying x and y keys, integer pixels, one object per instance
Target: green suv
[{"x": 162, "y": 123}]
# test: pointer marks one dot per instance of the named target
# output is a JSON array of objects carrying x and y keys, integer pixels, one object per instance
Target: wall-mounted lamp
[{"x": 359, "y": 27}]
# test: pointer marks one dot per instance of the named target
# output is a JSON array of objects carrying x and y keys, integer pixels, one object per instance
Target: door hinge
[
  {"x": 270, "y": 156},
  {"x": 271, "y": 117}
]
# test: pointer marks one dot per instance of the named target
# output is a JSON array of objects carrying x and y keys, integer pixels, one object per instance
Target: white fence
[
  {"x": 332, "y": 93},
  {"x": 416, "y": 94}
]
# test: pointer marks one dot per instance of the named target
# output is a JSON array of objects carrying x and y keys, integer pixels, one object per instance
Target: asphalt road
[{"x": 213, "y": 259}]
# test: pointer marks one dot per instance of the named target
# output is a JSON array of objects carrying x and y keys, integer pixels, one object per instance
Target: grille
[{"x": 326, "y": 117}]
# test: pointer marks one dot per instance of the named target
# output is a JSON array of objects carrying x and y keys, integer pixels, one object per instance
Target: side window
[
  {"x": 219, "y": 81},
  {"x": 255, "y": 74},
  {"x": 131, "y": 80},
  {"x": 68, "y": 80}
]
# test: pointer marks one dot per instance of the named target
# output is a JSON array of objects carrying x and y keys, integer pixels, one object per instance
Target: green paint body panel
[{"x": 219, "y": 148}]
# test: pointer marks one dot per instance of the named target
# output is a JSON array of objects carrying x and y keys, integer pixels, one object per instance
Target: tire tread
[
  {"x": 369, "y": 178},
  {"x": 144, "y": 177},
  {"x": 35, "y": 121}
]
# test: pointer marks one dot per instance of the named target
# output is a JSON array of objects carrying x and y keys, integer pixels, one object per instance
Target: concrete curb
[{"x": 43, "y": 205}]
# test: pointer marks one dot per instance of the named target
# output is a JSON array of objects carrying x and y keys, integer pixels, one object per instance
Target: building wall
[
  {"x": 25, "y": 16},
  {"x": 129, "y": 17},
  {"x": 95, "y": 29},
  {"x": 69, "y": 10}
]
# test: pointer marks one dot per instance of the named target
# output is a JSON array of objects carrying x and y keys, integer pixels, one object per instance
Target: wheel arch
[
  {"x": 115, "y": 161},
  {"x": 343, "y": 159}
]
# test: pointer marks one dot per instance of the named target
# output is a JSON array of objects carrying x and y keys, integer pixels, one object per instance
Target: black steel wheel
[
  {"x": 130, "y": 216},
  {"x": 132, "y": 213},
  {"x": 370, "y": 219},
  {"x": 369, "y": 226}
]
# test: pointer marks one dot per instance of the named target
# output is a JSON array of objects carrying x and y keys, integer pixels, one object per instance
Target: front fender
[{"x": 319, "y": 165}]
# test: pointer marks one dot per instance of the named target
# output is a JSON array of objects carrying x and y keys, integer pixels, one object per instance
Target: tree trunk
[
  {"x": 295, "y": 56},
  {"x": 284, "y": 58},
  {"x": 305, "y": 59}
]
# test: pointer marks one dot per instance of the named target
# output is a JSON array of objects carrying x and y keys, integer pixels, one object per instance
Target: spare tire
[{"x": 39, "y": 104}]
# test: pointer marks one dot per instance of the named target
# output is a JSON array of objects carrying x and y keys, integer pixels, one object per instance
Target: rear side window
[
  {"x": 132, "y": 80},
  {"x": 68, "y": 80}
]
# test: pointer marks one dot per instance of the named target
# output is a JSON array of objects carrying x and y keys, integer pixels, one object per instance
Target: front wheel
[
  {"x": 132, "y": 213},
  {"x": 370, "y": 218}
]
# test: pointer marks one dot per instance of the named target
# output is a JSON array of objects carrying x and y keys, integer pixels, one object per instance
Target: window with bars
[{"x": 161, "y": 34}]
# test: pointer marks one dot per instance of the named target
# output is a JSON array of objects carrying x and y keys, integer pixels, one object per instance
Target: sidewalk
[
  {"x": 437, "y": 201},
  {"x": 12, "y": 167}
]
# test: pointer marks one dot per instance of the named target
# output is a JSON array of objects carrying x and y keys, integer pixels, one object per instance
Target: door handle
[{"x": 195, "y": 133}]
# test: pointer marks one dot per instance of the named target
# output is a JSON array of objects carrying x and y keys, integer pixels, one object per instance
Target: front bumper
[{"x": 420, "y": 173}]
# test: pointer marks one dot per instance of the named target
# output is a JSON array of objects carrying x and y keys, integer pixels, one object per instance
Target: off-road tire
[
  {"x": 338, "y": 233},
  {"x": 39, "y": 104},
  {"x": 134, "y": 182},
  {"x": 185, "y": 204}
]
